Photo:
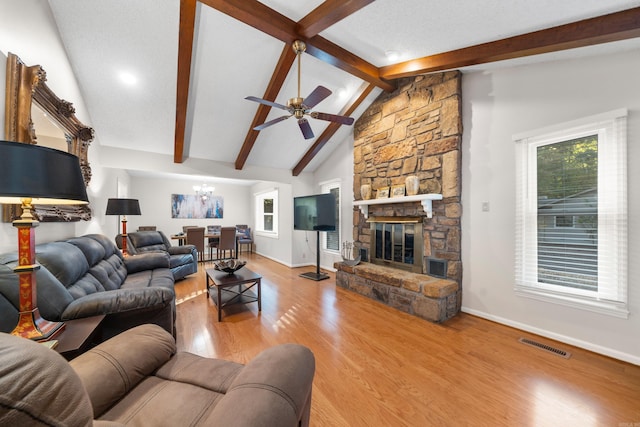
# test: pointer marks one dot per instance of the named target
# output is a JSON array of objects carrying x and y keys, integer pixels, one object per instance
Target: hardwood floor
[{"x": 376, "y": 366}]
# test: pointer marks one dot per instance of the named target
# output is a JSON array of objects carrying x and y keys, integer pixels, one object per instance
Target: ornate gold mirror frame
[{"x": 25, "y": 86}]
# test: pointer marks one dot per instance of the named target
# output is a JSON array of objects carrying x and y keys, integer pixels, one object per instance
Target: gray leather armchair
[{"x": 183, "y": 260}]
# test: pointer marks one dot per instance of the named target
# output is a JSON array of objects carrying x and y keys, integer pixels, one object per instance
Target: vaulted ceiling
[{"x": 194, "y": 62}]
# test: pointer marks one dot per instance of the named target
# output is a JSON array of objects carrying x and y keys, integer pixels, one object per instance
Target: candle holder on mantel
[
  {"x": 412, "y": 185},
  {"x": 365, "y": 191}
]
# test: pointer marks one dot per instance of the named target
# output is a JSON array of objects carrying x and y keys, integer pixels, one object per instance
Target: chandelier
[{"x": 203, "y": 191}]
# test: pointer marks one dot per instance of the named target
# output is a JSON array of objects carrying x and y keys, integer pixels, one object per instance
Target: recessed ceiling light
[
  {"x": 128, "y": 78},
  {"x": 392, "y": 55}
]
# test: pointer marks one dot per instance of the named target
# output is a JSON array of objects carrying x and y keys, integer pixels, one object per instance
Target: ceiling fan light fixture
[{"x": 299, "y": 107}]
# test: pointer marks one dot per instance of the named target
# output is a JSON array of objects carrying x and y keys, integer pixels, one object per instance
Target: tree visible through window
[
  {"x": 266, "y": 205},
  {"x": 571, "y": 217},
  {"x": 567, "y": 181},
  {"x": 267, "y": 214}
]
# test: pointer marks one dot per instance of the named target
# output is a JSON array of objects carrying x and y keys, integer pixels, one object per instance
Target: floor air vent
[{"x": 545, "y": 347}]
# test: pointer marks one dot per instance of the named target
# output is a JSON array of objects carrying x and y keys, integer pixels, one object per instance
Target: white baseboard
[
  {"x": 279, "y": 261},
  {"x": 626, "y": 357}
]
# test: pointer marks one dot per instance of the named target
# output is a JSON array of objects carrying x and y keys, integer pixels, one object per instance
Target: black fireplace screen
[{"x": 398, "y": 244}]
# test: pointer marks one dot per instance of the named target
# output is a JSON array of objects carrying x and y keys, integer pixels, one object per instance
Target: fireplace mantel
[{"x": 424, "y": 199}]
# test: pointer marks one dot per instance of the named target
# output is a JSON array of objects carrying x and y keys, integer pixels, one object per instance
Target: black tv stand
[{"x": 317, "y": 275}]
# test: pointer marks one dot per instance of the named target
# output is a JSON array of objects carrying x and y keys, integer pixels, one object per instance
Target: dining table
[{"x": 182, "y": 238}]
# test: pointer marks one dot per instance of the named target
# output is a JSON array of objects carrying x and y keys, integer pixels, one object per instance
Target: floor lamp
[
  {"x": 30, "y": 174},
  {"x": 123, "y": 207}
]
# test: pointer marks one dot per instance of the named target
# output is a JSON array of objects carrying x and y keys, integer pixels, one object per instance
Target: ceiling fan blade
[
  {"x": 305, "y": 127},
  {"x": 314, "y": 98},
  {"x": 271, "y": 122},
  {"x": 333, "y": 118},
  {"x": 265, "y": 102}
]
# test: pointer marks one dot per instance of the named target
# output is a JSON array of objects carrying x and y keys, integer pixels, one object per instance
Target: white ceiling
[{"x": 232, "y": 60}]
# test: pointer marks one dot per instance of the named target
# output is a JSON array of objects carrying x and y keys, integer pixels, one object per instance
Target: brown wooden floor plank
[{"x": 376, "y": 366}]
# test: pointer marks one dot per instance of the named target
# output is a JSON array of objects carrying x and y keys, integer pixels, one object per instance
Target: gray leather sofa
[
  {"x": 183, "y": 260},
  {"x": 138, "y": 378},
  {"x": 86, "y": 276}
]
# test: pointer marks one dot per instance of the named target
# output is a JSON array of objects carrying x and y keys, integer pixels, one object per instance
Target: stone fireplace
[{"x": 414, "y": 131}]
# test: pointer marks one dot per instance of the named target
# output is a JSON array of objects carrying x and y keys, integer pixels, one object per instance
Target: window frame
[
  {"x": 611, "y": 298},
  {"x": 259, "y": 212},
  {"x": 326, "y": 187}
]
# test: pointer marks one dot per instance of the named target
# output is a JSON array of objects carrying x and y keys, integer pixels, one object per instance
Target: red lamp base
[{"x": 32, "y": 326}]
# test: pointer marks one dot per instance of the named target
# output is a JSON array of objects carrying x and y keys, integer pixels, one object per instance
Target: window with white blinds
[
  {"x": 331, "y": 239},
  {"x": 571, "y": 214}
]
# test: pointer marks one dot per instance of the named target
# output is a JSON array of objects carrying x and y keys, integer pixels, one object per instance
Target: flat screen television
[{"x": 314, "y": 213}]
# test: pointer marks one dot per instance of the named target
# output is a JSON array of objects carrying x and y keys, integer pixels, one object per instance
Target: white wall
[
  {"x": 339, "y": 165},
  {"x": 504, "y": 102},
  {"x": 154, "y": 195},
  {"x": 27, "y": 29},
  {"x": 276, "y": 248}
]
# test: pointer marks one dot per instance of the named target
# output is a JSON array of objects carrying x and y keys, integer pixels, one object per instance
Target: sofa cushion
[
  {"x": 160, "y": 278},
  {"x": 92, "y": 250},
  {"x": 64, "y": 260},
  {"x": 112, "y": 370},
  {"x": 180, "y": 259},
  {"x": 147, "y": 241},
  {"x": 110, "y": 273},
  {"x": 53, "y": 297},
  {"x": 38, "y": 387}
]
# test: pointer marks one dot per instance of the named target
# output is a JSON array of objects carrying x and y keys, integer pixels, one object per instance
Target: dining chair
[
  {"x": 195, "y": 237},
  {"x": 227, "y": 241},
  {"x": 245, "y": 238},
  {"x": 213, "y": 242}
]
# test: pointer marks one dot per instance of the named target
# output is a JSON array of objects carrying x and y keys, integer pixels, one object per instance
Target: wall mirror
[{"x": 35, "y": 115}]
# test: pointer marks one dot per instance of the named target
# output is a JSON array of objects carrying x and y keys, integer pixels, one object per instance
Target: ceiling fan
[{"x": 300, "y": 107}]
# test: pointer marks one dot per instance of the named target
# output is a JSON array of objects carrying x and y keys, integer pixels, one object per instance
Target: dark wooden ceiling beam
[
  {"x": 331, "y": 129},
  {"x": 333, "y": 54},
  {"x": 327, "y": 14},
  {"x": 185, "y": 48},
  {"x": 267, "y": 20},
  {"x": 603, "y": 29},
  {"x": 258, "y": 16},
  {"x": 275, "y": 84}
]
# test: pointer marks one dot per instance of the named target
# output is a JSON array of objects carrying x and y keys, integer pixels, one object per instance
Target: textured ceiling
[{"x": 232, "y": 60}]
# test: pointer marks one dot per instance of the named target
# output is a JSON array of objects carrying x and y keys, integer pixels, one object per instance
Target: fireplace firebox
[{"x": 397, "y": 242}]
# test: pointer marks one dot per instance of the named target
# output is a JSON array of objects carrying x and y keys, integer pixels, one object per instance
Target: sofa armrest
[
  {"x": 277, "y": 383},
  {"x": 184, "y": 249},
  {"x": 146, "y": 261},
  {"x": 117, "y": 301},
  {"x": 113, "y": 368}
]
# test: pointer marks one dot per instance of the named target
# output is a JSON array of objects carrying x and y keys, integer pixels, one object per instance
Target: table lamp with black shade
[
  {"x": 123, "y": 207},
  {"x": 31, "y": 174}
]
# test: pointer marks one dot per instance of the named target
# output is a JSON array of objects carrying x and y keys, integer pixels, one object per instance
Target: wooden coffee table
[{"x": 238, "y": 288}]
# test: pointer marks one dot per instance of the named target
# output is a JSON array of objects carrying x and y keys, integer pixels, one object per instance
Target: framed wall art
[
  {"x": 382, "y": 193},
  {"x": 194, "y": 206},
  {"x": 397, "y": 190}
]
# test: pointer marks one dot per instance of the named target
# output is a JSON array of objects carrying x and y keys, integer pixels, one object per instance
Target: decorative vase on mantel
[
  {"x": 365, "y": 191},
  {"x": 412, "y": 185}
]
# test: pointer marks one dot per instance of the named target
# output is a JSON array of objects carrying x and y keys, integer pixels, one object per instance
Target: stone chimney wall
[{"x": 415, "y": 130}]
